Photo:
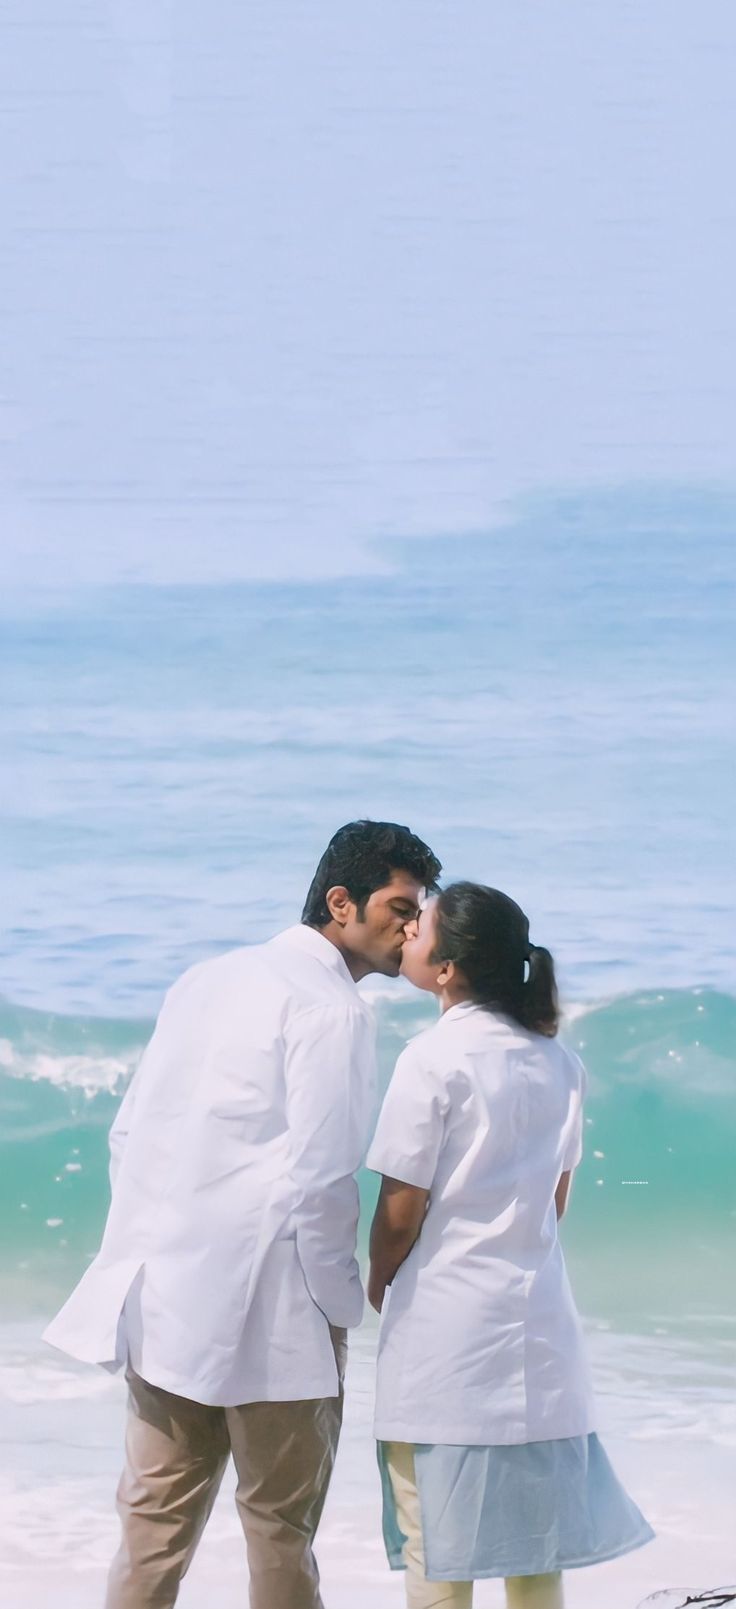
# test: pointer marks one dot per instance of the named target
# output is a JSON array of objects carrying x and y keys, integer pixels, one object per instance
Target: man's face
[{"x": 376, "y": 940}]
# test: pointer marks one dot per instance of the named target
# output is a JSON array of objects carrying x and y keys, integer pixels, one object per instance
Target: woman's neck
[{"x": 454, "y": 994}]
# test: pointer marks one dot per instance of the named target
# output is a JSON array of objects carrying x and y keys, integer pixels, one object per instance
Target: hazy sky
[{"x": 279, "y": 277}]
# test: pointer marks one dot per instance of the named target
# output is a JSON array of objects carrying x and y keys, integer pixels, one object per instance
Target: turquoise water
[{"x": 650, "y": 1231}]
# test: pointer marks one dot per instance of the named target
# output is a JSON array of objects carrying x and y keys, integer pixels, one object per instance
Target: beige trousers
[
  {"x": 176, "y": 1455},
  {"x": 522, "y": 1591}
]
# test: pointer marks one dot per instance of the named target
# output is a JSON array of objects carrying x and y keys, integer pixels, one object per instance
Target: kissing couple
[{"x": 227, "y": 1278}]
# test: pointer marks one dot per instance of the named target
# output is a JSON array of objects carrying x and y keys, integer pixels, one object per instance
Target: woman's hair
[
  {"x": 487, "y": 936},
  {"x": 362, "y": 856}
]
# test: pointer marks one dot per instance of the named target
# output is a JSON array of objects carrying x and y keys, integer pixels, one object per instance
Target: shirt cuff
[{"x": 407, "y": 1169}]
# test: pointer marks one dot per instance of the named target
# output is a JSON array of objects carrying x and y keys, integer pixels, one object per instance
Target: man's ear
[{"x": 339, "y": 904}]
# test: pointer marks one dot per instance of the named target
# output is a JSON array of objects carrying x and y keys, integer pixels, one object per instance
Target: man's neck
[{"x": 357, "y": 967}]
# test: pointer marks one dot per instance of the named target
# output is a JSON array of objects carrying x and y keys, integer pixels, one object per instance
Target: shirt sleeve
[
  {"x": 118, "y": 1136},
  {"x": 574, "y": 1147},
  {"x": 329, "y": 1081},
  {"x": 412, "y": 1122},
  {"x": 121, "y": 1129}
]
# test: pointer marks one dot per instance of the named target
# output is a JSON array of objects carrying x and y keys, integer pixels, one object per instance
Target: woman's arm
[
  {"x": 396, "y": 1225},
  {"x": 562, "y": 1192}
]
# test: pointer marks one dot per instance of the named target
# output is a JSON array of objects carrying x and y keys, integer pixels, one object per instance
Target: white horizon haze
[{"x": 280, "y": 281}]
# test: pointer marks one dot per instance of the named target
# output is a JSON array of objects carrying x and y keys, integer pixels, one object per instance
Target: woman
[{"x": 484, "y": 1416}]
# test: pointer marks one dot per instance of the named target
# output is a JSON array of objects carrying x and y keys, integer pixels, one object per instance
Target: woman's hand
[
  {"x": 376, "y": 1290},
  {"x": 562, "y": 1193},
  {"x": 395, "y": 1229}
]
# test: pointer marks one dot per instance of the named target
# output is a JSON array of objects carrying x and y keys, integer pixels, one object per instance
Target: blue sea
[{"x": 550, "y": 705}]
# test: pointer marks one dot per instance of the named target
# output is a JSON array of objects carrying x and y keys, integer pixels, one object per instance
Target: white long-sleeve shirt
[{"x": 229, "y": 1247}]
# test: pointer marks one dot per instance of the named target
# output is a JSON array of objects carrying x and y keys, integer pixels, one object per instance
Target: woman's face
[{"x": 418, "y": 947}]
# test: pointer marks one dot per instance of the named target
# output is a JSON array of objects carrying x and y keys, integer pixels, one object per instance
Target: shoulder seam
[{"x": 332, "y": 1008}]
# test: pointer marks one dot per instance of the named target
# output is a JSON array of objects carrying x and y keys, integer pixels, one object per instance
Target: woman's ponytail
[
  {"x": 539, "y": 1001},
  {"x": 486, "y": 935}
]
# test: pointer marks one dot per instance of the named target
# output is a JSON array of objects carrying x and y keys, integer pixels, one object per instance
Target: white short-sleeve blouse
[{"x": 480, "y": 1340}]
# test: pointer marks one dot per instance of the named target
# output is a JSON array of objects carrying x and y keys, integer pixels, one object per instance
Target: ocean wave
[
  {"x": 654, "y": 1195},
  {"x": 82, "y": 1053}
]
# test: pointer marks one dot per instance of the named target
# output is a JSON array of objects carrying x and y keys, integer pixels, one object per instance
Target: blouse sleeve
[{"x": 411, "y": 1125}]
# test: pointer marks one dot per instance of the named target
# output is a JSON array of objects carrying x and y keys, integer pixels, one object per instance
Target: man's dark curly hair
[{"x": 361, "y": 858}]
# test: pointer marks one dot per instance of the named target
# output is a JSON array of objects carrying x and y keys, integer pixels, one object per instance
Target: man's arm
[
  {"x": 328, "y": 1071},
  {"x": 395, "y": 1229},
  {"x": 121, "y": 1129},
  {"x": 118, "y": 1136}
]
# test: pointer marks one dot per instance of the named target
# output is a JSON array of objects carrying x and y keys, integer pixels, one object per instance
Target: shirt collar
[
  {"x": 462, "y": 1009},
  {"x": 311, "y": 940},
  {"x": 466, "y": 1008}
]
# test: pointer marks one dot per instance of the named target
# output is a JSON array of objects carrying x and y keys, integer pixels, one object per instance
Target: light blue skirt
[{"x": 521, "y": 1510}]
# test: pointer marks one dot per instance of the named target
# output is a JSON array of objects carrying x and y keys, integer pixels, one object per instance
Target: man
[{"x": 227, "y": 1276}]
